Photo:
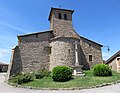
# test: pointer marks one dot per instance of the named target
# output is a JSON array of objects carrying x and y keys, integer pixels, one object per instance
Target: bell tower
[{"x": 61, "y": 22}]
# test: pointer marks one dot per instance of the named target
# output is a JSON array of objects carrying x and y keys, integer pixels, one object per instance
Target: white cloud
[{"x": 4, "y": 53}]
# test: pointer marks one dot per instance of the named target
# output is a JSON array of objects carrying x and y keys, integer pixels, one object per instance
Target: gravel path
[{"x": 5, "y": 88}]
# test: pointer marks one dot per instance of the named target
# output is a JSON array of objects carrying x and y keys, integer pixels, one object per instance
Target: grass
[{"x": 85, "y": 82}]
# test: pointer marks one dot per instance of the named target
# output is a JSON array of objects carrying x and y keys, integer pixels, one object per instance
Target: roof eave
[
  {"x": 92, "y": 41},
  {"x": 34, "y": 33},
  {"x": 112, "y": 57}
]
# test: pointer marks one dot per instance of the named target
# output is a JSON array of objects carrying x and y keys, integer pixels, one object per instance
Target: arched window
[
  {"x": 65, "y": 16},
  {"x": 59, "y": 16}
]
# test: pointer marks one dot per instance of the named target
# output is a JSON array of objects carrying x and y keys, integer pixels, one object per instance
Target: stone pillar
[
  {"x": 76, "y": 54},
  {"x": 77, "y": 68}
]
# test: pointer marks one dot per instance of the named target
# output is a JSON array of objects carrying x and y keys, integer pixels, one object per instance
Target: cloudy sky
[{"x": 98, "y": 20}]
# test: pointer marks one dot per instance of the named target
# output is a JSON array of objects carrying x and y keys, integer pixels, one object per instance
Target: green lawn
[{"x": 85, "y": 81}]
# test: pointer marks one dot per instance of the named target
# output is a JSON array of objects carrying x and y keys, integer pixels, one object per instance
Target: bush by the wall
[
  {"x": 42, "y": 73},
  {"x": 102, "y": 70},
  {"x": 62, "y": 73},
  {"x": 22, "y": 78},
  {"x": 46, "y": 73}
]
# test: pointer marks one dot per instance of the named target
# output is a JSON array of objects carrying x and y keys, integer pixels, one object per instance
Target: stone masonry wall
[
  {"x": 34, "y": 56},
  {"x": 34, "y": 52},
  {"x": 62, "y": 27},
  {"x": 62, "y": 52},
  {"x": 89, "y": 48},
  {"x": 113, "y": 65},
  {"x": 38, "y": 37},
  {"x": 15, "y": 65}
]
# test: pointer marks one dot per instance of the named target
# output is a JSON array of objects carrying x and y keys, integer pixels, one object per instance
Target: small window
[
  {"x": 65, "y": 16},
  {"x": 59, "y": 16},
  {"x": 69, "y": 51},
  {"x": 49, "y": 50},
  {"x": 90, "y": 57}
]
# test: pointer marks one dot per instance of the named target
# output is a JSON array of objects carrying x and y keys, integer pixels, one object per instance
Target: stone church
[{"x": 60, "y": 45}]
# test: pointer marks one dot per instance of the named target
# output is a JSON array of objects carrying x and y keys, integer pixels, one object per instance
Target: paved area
[{"x": 5, "y": 88}]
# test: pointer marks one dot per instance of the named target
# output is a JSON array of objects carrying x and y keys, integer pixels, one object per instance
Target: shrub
[
  {"x": 42, "y": 73},
  {"x": 102, "y": 70},
  {"x": 46, "y": 73},
  {"x": 22, "y": 78},
  {"x": 62, "y": 73},
  {"x": 38, "y": 75}
]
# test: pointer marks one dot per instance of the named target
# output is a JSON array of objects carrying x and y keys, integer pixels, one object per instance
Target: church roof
[
  {"x": 91, "y": 41},
  {"x": 35, "y": 33},
  {"x": 87, "y": 39},
  {"x": 113, "y": 57},
  {"x": 58, "y": 37}
]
